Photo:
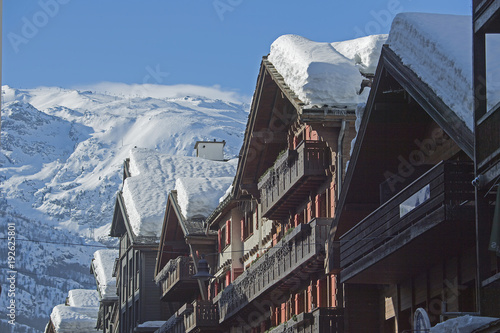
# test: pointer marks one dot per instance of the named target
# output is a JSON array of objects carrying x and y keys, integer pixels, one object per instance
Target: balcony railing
[
  {"x": 176, "y": 279},
  {"x": 199, "y": 316},
  {"x": 292, "y": 177},
  {"x": 291, "y": 261},
  {"x": 203, "y": 317},
  {"x": 441, "y": 194},
  {"x": 319, "y": 320}
]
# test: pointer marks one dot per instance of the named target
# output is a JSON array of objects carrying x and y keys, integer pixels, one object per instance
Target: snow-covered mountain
[{"x": 60, "y": 167}]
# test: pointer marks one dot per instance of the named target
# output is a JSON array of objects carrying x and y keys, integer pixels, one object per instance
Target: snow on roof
[
  {"x": 83, "y": 298},
  {"x": 226, "y": 193},
  {"x": 198, "y": 197},
  {"x": 152, "y": 323},
  {"x": 438, "y": 48},
  {"x": 324, "y": 73},
  {"x": 464, "y": 324},
  {"x": 153, "y": 176},
  {"x": 103, "y": 269},
  {"x": 72, "y": 319},
  {"x": 364, "y": 51}
]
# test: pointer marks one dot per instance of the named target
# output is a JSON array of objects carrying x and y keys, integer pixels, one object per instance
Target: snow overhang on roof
[
  {"x": 102, "y": 266},
  {"x": 327, "y": 76},
  {"x": 438, "y": 48},
  {"x": 153, "y": 176}
]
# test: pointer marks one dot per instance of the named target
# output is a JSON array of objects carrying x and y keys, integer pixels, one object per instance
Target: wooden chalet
[
  {"x": 77, "y": 315},
  {"x": 486, "y": 21},
  {"x": 139, "y": 296},
  {"x": 273, "y": 226},
  {"x": 101, "y": 267},
  {"x": 181, "y": 245},
  {"x": 404, "y": 234}
]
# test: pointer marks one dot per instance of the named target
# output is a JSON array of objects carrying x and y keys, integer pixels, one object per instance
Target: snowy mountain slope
[{"x": 60, "y": 167}]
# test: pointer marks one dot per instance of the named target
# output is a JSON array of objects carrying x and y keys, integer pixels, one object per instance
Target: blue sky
[{"x": 70, "y": 43}]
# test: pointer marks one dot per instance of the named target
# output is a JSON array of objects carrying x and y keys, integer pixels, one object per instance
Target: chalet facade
[
  {"x": 139, "y": 215},
  {"x": 102, "y": 268},
  {"x": 404, "y": 234},
  {"x": 139, "y": 296},
  {"x": 486, "y": 22},
  {"x": 182, "y": 243},
  {"x": 272, "y": 227}
]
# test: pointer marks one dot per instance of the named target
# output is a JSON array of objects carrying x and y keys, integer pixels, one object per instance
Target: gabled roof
[
  {"x": 102, "y": 268},
  {"x": 326, "y": 76},
  {"x": 372, "y": 144},
  {"x": 78, "y": 315},
  {"x": 139, "y": 207},
  {"x": 177, "y": 231},
  {"x": 400, "y": 110}
]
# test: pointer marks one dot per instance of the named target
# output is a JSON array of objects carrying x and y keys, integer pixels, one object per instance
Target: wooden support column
[
  {"x": 296, "y": 220},
  {"x": 310, "y": 297},
  {"x": 331, "y": 200},
  {"x": 274, "y": 316},
  {"x": 309, "y": 211},
  {"x": 317, "y": 205},
  {"x": 297, "y": 305}
]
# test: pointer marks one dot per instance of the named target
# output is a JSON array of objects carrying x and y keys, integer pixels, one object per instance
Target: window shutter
[
  {"x": 243, "y": 229},
  {"x": 219, "y": 240},
  {"x": 228, "y": 232}
]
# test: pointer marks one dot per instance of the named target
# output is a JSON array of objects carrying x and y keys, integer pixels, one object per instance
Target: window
[
  {"x": 224, "y": 236},
  {"x": 124, "y": 283},
  {"x": 246, "y": 225},
  {"x": 131, "y": 277},
  {"x": 228, "y": 232},
  {"x": 123, "y": 244},
  {"x": 137, "y": 319},
  {"x": 137, "y": 270}
]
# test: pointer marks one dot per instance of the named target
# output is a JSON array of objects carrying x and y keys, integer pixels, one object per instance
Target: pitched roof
[
  {"x": 142, "y": 201},
  {"x": 102, "y": 267},
  {"x": 438, "y": 48}
]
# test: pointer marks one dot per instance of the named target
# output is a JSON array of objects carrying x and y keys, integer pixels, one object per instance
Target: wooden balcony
[
  {"x": 287, "y": 265},
  {"x": 292, "y": 178},
  {"x": 176, "y": 280},
  {"x": 425, "y": 222},
  {"x": 199, "y": 316},
  {"x": 319, "y": 320},
  {"x": 203, "y": 318}
]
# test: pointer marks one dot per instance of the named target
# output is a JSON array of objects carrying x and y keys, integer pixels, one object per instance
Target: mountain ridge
[{"x": 61, "y": 156}]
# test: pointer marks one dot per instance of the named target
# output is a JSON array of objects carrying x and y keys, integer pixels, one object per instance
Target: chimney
[{"x": 210, "y": 150}]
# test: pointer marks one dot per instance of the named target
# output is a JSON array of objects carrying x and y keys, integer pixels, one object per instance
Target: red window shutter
[
  {"x": 228, "y": 232},
  {"x": 243, "y": 229},
  {"x": 228, "y": 278},
  {"x": 219, "y": 240}
]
